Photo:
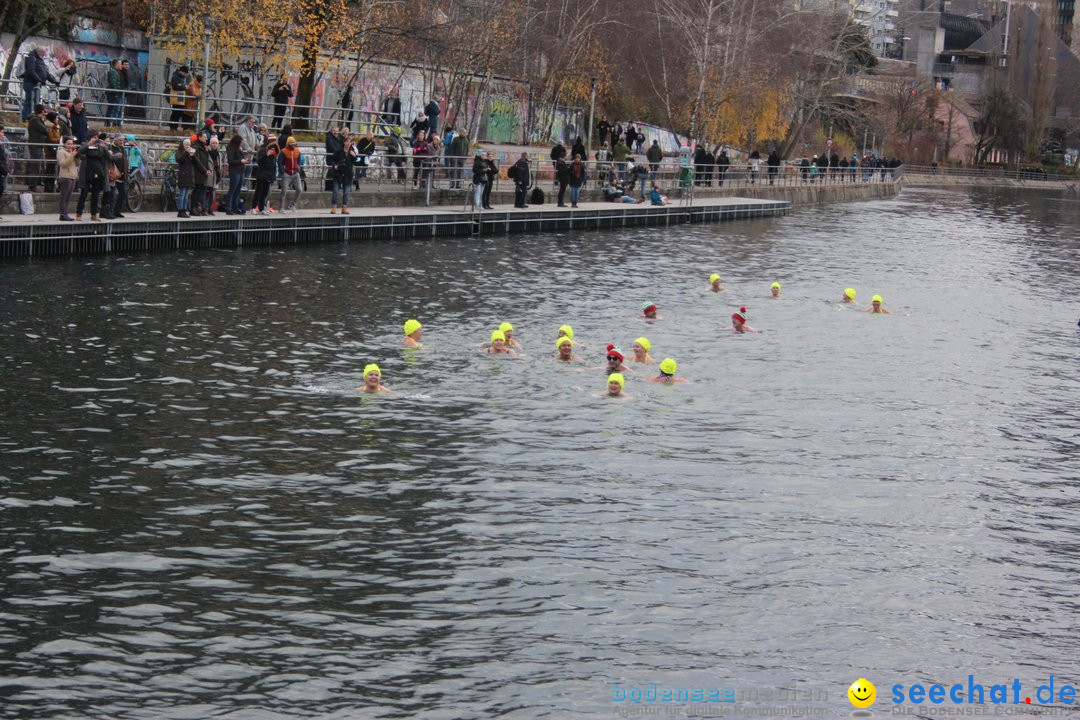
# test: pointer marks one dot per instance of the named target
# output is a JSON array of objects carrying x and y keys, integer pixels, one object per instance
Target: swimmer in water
[
  {"x": 565, "y": 331},
  {"x": 714, "y": 283},
  {"x": 738, "y": 322},
  {"x": 642, "y": 346},
  {"x": 508, "y": 331},
  {"x": 667, "y": 372},
  {"x": 848, "y": 297},
  {"x": 413, "y": 332},
  {"x": 498, "y": 345},
  {"x": 565, "y": 347},
  {"x": 615, "y": 383},
  {"x": 649, "y": 308},
  {"x": 775, "y": 288},
  {"x": 877, "y": 306},
  {"x": 615, "y": 360},
  {"x": 373, "y": 380}
]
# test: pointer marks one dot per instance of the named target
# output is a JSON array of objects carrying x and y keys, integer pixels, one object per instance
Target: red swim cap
[
  {"x": 740, "y": 316},
  {"x": 613, "y": 351}
]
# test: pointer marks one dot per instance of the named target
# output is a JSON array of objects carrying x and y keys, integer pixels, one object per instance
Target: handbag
[{"x": 114, "y": 173}]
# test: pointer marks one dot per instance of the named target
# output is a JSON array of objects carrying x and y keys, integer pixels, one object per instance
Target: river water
[{"x": 202, "y": 518}]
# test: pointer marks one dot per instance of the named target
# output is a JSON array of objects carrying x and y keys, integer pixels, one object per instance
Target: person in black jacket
[
  {"x": 340, "y": 168},
  {"x": 3, "y": 165},
  {"x": 774, "y": 166},
  {"x": 185, "y": 177},
  {"x": 117, "y": 157},
  {"x": 37, "y": 138},
  {"x": 365, "y": 148},
  {"x": 522, "y": 180},
  {"x": 265, "y": 174},
  {"x": 79, "y": 124},
  {"x": 562, "y": 176},
  {"x": 491, "y": 171},
  {"x": 93, "y": 175},
  {"x": 238, "y": 165},
  {"x": 178, "y": 96},
  {"x": 391, "y": 113},
  {"x": 722, "y": 163},
  {"x": 34, "y": 76},
  {"x": 281, "y": 94},
  {"x": 479, "y": 179}
]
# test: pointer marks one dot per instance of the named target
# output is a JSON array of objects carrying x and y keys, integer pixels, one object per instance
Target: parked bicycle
[{"x": 134, "y": 191}]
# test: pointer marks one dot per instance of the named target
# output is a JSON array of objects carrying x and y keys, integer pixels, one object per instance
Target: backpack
[
  {"x": 536, "y": 197},
  {"x": 511, "y": 172}
]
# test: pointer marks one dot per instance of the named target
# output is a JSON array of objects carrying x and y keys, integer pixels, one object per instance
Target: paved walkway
[{"x": 10, "y": 221}]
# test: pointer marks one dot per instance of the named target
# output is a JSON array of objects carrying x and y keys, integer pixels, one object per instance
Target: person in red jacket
[{"x": 290, "y": 175}]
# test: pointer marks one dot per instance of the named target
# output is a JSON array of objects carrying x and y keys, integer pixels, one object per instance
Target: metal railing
[
  {"x": 144, "y": 107},
  {"x": 1024, "y": 173},
  {"x": 34, "y": 163}
]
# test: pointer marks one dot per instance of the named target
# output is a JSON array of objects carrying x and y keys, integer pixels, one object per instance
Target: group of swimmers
[{"x": 503, "y": 342}]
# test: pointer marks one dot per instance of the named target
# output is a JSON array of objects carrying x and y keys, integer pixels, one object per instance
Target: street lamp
[
  {"x": 207, "y": 22},
  {"x": 592, "y": 107}
]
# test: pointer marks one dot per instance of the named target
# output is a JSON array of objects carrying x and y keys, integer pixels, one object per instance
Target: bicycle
[
  {"x": 168, "y": 189},
  {"x": 134, "y": 191}
]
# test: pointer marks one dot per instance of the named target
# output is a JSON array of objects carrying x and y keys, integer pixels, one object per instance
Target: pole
[
  {"x": 206, "y": 78},
  {"x": 864, "y": 142},
  {"x": 588, "y": 130}
]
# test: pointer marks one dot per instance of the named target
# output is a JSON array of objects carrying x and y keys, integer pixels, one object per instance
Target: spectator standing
[
  {"x": 215, "y": 167},
  {"x": 479, "y": 179},
  {"x": 207, "y": 131},
  {"x": 281, "y": 94},
  {"x": 603, "y": 160},
  {"x": 346, "y": 108},
  {"x": 341, "y": 165},
  {"x": 201, "y": 175},
  {"x": 433, "y": 111},
  {"x": 699, "y": 166},
  {"x": 93, "y": 175},
  {"x": 722, "y": 164},
  {"x": 578, "y": 149},
  {"x": 65, "y": 81},
  {"x": 63, "y": 121},
  {"x": 37, "y": 137},
  {"x": 562, "y": 176},
  {"x": 52, "y": 127},
  {"x": 391, "y": 112},
  {"x": 113, "y": 205},
  {"x": 290, "y": 175},
  {"x": 491, "y": 171},
  {"x": 237, "y": 161},
  {"x": 266, "y": 171},
  {"x": 522, "y": 180},
  {"x": 710, "y": 167},
  {"x": 421, "y": 150},
  {"x": 68, "y": 172},
  {"x": 603, "y": 128},
  {"x": 395, "y": 153},
  {"x": 639, "y": 141},
  {"x": 177, "y": 101},
  {"x": 34, "y": 76},
  {"x": 578, "y": 174},
  {"x": 192, "y": 93},
  {"x": 79, "y": 126},
  {"x": 116, "y": 87},
  {"x": 459, "y": 151},
  {"x": 364, "y": 150},
  {"x": 655, "y": 156},
  {"x": 774, "y": 166},
  {"x": 185, "y": 177}
]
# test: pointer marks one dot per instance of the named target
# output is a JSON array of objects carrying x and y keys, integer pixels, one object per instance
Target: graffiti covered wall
[{"x": 92, "y": 49}]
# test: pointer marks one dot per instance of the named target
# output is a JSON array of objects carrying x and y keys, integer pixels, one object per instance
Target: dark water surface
[{"x": 199, "y": 517}]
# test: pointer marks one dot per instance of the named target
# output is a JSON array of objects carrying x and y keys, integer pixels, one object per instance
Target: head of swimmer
[
  {"x": 566, "y": 350},
  {"x": 614, "y": 387},
  {"x": 613, "y": 362},
  {"x": 498, "y": 344},
  {"x": 372, "y": 379}
]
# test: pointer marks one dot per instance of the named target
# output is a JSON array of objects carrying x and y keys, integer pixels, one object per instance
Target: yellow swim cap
[
  {"x": 372, "y": 368},
  {"x": 876, "y": 299},
  {"x": 563, "y": 341},
  {"x": 567, "y": 330},
  {"x": 775, "y": 286},
  {"x": 713, "y": 278},
  {"x": 644, "y": 342},
  {"x": 498, "y": 335},
  {"x": 617, "y": 378},
  {"x": 850, "y": 293},
  {"x": 411, "y": 326},
  {"x": 668, "y": 366},
  {"x": 506, "y": 327}
]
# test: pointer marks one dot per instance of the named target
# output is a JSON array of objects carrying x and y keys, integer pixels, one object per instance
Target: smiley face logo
[{"x": 862, "y": 693}]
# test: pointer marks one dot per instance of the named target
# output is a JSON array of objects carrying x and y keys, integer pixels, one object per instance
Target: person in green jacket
[{"x": 619, "y": 153}]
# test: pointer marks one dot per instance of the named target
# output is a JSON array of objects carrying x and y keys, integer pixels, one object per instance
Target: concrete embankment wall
[{"x": 964, "y": 182}]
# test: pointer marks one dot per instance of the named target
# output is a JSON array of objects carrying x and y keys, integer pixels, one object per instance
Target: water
[{"x": 201, "y": 518}]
